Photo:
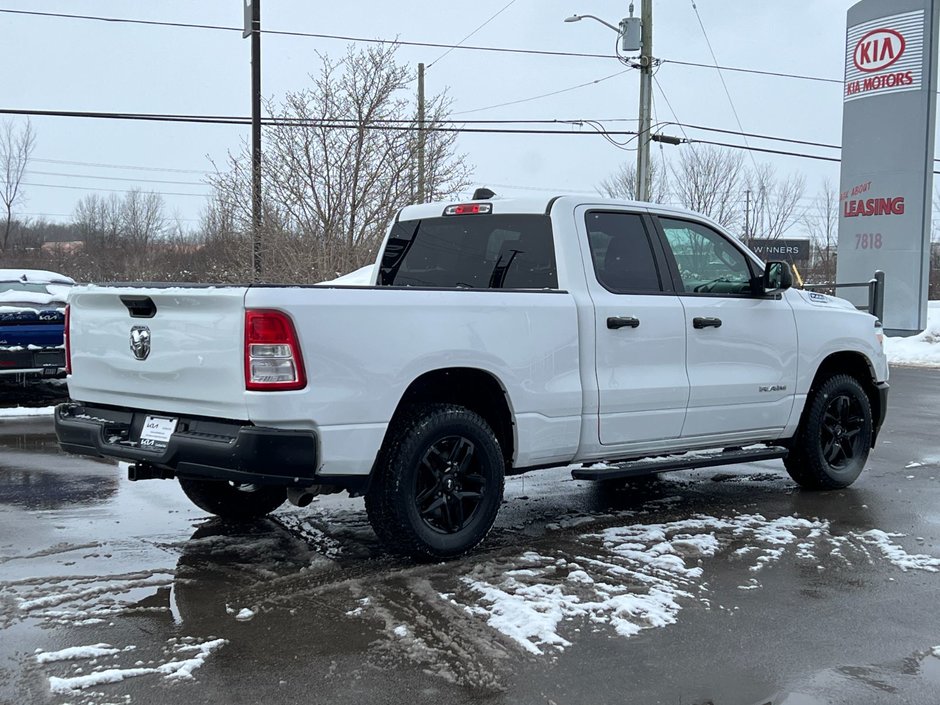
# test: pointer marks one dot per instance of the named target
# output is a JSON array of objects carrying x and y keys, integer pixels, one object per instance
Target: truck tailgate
[{"x": 195, "y": 362}]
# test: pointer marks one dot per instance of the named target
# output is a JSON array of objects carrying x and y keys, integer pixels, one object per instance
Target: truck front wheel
[
  {"x": 438, "y": 483},
  {"x": 832, "y": 444},
  {"x": 232, "y": 500}
]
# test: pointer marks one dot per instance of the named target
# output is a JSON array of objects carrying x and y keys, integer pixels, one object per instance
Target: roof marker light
[{"x": 469, "y": 209}]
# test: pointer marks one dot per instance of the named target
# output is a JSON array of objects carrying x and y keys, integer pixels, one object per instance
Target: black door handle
[
  {"x": 707, "y": 322},
  {"x": 615, "y": 322}
]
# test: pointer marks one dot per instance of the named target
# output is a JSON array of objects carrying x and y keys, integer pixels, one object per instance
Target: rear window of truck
[{"x": 471, "y": 252}]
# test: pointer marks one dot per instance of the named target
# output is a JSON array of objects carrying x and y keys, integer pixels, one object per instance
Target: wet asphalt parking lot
[{"x": 725, "y": 586}]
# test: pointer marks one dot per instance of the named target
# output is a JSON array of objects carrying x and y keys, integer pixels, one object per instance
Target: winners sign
[{"x": 887, "y": 154}]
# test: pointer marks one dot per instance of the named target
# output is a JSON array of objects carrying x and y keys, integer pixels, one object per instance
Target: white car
[{"x": 495, "y": 337}]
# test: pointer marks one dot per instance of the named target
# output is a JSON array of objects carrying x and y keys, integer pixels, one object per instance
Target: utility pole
[
  {"x": 421, "y": 135},
  {"x": 643, "y": 175},
  {"x": 747, "y": 217},
  {"x": 253, "y": 29}
]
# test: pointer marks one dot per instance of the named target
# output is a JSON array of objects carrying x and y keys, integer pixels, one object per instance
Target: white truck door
[
  {"x": 639, "y": 328},
  {"x": 742, "y": 348}
]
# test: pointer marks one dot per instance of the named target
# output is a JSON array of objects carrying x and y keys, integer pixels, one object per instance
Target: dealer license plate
[{"x": 156, "y": 433}]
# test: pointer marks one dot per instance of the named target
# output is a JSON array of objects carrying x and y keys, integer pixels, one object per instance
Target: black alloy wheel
[
  {"x": 831, "y": 447},
  {"x": 438, "y": 482},
  {"x": 842, "y": 424},
  {"x": 449, "y": 485}
]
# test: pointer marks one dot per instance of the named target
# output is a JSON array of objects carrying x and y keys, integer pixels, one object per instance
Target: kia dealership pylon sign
[{"x": 889, "y": 113}]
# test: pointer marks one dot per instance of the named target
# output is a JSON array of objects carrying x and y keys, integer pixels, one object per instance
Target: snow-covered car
[
  {"x": 493, "y": 337},
  {"x": 32, "y": 322}
]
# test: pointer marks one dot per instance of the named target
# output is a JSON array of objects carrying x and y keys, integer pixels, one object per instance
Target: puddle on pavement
[
  {"x": 31, "y": 489},
  {"x": 907, "y": 680},
  {"x": 22, "y": 437}
]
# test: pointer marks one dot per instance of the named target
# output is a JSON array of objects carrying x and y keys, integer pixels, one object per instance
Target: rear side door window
[
  {"x": 706, "y": 261},
  {"x": 622, "y": 253}
]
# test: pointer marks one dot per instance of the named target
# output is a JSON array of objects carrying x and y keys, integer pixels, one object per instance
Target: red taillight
[
  {"x": 272, "y": 353},
  {"x": 68, "y": 345}
]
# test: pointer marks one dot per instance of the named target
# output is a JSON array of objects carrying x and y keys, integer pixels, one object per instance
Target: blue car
[{"x": 32, "y": 323}]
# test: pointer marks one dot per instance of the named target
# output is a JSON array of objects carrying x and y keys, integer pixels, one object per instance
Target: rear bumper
[
  {"x": 208, "y": 448},
  {"x": 48, "y": 363}
]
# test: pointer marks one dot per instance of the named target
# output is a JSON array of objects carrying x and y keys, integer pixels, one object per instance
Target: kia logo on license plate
[{"x": 140, "y": 342}]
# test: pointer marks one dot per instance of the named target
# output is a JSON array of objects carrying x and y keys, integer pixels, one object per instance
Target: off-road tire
[
  {"x": 417, "y": 480},
  {"x": 834, "y": 439},
  {"x": 232, "y": 500}
]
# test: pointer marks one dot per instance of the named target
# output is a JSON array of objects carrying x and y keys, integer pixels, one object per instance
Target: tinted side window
[
  {"x": 622, "y": 254},
  {"x": 472, "y": 251},
  {"x": 707, "y": 262}
]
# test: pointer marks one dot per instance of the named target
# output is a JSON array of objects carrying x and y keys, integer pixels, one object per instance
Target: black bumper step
[{"x": 685, "y": 461}]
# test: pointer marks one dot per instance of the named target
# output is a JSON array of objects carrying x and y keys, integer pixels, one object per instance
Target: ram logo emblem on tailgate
[{"x": 140, "y": 342}]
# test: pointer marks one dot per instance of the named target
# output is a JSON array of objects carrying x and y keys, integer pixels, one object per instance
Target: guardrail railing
[{"x": 876, "y": 292}]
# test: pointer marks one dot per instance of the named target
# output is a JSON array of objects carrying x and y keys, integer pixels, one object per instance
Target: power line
[
  {"x": 116, "y": 178},
  {"x": 543, "y": 95},
  {"x": 757, "y": 135},
  {"x": 767, "y": 150},
  {"x": 313, "y": 35},
  {"x": 671, "y": 109},
  {"x": 398, "y": 125},
  {"x": 599, "y": 130},
  {"x": 71, "y": 215},
  {"x": 402, "y": 42},
  {"x": 493, "y": 17},
  {"x": 721, "y": 76},
  {"x": 117, "y": 166},
  {"x": 313, "y": 122},
  {"x": 759, "y": 72},
  {"x": 111, "y": 190}
]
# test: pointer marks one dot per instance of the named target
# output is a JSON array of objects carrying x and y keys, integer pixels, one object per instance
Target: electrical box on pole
[{"x": 631, "y": 29}]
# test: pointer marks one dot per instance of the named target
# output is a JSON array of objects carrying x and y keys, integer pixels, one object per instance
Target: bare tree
[
  {"x": 708, "y": 180},
  {"x": 16, "y": 147},
  {"x": 339, "y": 161},
  {"x": 123, "y": 236},
  {"x": 774, "y": 202},
  {"x": 821, "y": 222},
  {"x": 622, "y": 183}
]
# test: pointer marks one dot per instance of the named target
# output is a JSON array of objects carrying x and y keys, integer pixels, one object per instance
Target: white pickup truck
[{"x": 498, "y": 336}]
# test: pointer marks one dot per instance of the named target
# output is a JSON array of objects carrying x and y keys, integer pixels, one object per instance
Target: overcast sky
[{"x": 70, "y": 64}]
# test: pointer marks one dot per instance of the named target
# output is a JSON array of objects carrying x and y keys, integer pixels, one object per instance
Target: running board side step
[{"x": 684, "y": 461}]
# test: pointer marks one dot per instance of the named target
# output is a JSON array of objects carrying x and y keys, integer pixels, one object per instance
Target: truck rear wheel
[
  {"x": 832, "y": 444},
  {"x": 232, "y": 500},
  {"x": 438, "y": 484}
]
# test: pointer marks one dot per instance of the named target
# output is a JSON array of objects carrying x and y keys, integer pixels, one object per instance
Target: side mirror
[{"x": 777, "y": 277}]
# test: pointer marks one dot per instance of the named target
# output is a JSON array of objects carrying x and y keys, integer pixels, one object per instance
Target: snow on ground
[
  {"x": 185, "y": 656},
  {"x": 922, "y": 349},
  {"x": 74, "y": 653},
  {"x": 244, "y": 614},
  {"x": 638, "y": 576},
  {"x": 17, "y": 411}
]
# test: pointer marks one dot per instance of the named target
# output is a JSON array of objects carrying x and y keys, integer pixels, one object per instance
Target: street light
[
  {"x": 578, "y": 18},
  {"x": 631, "y": 40}
]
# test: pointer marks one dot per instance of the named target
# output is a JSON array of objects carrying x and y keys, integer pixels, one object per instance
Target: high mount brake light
[
  {"x": 272, "y": 353},
  {"x": 68, "y": 343},
  {"x": 469, "y": 209}
]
